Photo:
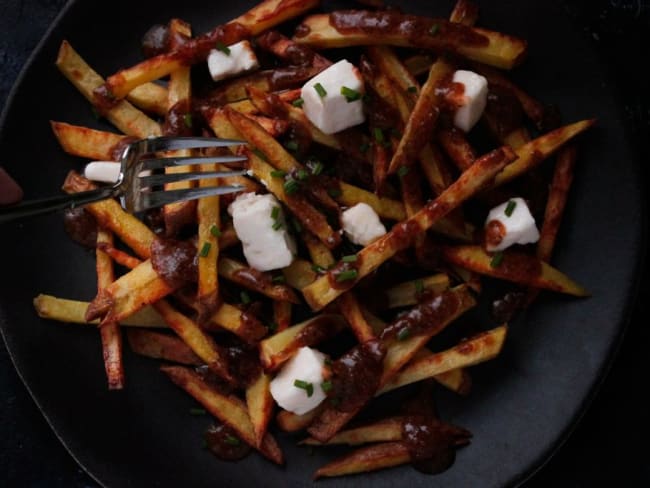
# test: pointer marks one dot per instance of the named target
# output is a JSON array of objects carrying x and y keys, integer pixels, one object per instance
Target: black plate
[{"x": 522, "y": 405}]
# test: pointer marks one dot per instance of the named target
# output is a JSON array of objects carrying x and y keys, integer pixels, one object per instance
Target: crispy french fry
[
  {"x": 457, "y": 380},
  {"x": 465, "y": 12},
  {"x": 386, "y": 208},
  {"x": 150, "y": 98},
  {"x": 209, "y": 219},
  {"x": 349, "y": 307},
  {"x": 263, "y": 16},
  {"x": 358, "y": 28},
  {"x": 407, "y": 293},
  {"x": 282, "y": 315},
  {"x": 457, "y": 147},
  {"x": 299, "y": 274},
  {"x": 389, "y": 64},
  {"x": 74, "y": 312},
  {"x": 384, "y": 430},
  {"x": 254, "y": 280},
  {"x": 514, "y": 266},
  {"x": 470, "y": 352},
  {"x": 320, "y": 292},
  {"x": 123, "y": 115},
  {"x": 366, "y": 459},
  {"x": 260, "y": 406},
  {"x": 243, "y": 325},
  {"x": 287, "y": 50},
  {"x": 88, "y": 143},
  {"x": 227, "y": 408},
  {"x": 161, "y": 346},
  {"x": 290, "y": 422},
  {"x": 418, "y": 64}
]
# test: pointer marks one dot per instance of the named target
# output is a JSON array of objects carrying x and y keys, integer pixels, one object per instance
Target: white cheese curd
[
  {"x": 231, "y": 61},
  {"x": 508, "y": 224},
  {"x": 361, "y": 224},
  {"x": 260, "y": 225},
  {"x": 103, "y": 171},
  {"x": 307, "y": 368},
  {"x": 475, "y": 99},
  {"x": 324, "y": 104}
]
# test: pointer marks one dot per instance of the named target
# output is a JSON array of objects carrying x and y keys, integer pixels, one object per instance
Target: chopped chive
[
  {"x": 403, "y": 334},
  {"x": 304, "y": 385},
  {"x": 232, "y": 440},
  {"x": 510, "y": 208},
  {"x": 291, "y": 186},
  {"x": 347, "y": 275},
  {"x": 320, "y": 90},
  {"x": 259, "y": 153},
  {"x": 326, "y": 386},
  {"x": 317, "y": 168},
  {"x": 419, "y": 286},
  {"x": 245, "y": 297},
  {"x": 350, "y": 94},
  {"x": 214, "y": 230},
  {"x": 291, "y": 146},
  {"x": 273, "y": 326},
  {"x": 402, "y": 171},
  {"x": 296, "y": 226},
  {"x": 335, "y": 402},
  {"x": 223, "y": 48},
  {"x": 434, "y": 29},
  {"x": 278, "y": 279},
  {"x": 379, "y": 135},
  {"x": 496, "y": 260},
  {"x": 334, "y": 192},
  {"x": 298, "y": 102},
  {"x": 205, "y": 250},
  {"x": 350, "y": 258},
  {"x": 277, "y": 225},
  {"x": 278, "y": 173},
  {"x": 317, "y": 268},
  {"x": 197, "y": 411},
  {"x": 187, "y": 118},
  {"x": 275, "y": 213},
  {"x": 364, "y": 147},
  {"x": 328, "y": 362},
  {"x": 302, "y": 174},
  {"x": 412, "y": 89}
]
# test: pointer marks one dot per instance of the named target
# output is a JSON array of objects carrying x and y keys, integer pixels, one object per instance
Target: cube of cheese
[
  {"x": 332, "y": 99},
  {"x": 297, "y": 387},
  {"x": 361, "y": 224},
  {"x": 103, "y": 171},
  {"x": 508, "y": 224},
  {"x": 260, "y": 225},
  {"x": 232, "y": 60},
  {"x": 475, "y": 99}
]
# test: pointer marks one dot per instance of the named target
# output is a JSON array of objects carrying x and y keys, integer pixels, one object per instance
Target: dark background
[{"x": 607, "y": 447}]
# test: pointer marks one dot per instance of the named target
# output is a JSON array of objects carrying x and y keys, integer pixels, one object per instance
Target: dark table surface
[{"x": 607, "y": 446}]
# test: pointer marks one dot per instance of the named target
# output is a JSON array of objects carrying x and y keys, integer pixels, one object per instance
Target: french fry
[
  {"x": 254, "y": 280},
  {"x": 123, "y": 115},
  {"x": 455, "y": 144},
  {"x": 150, "y": 97},
  {"x": 349, "y": 307},
  {"x": 209, "y": 220},
  {"x": 74, "y": 312},
  {"x": 418, "y": 64},
  {"x": 386, "y": 208},
  {"x": 358, "y": 28},
  {"x": 320, "y": 292},
  {"x": 299, "y": 274},
  {"x": 470, "y": 352},
  {"x": 407, "y": 293},
  {"x": 389, "y": 64},
  {"x": 514, "y": 266},
  {"x": 227, "y": 408},
  {"x": 465, "y": 12},
  {"x": 110, "y": 332},
  {"x": 88, "y": 143},
  {"x": 263, "y": 16},
  {"x": 290, "y": 422},
  {"x": 282, "y": 315},
  {"x": 260, "y": 406},
  {"x": 287, "y": 50},
  {"x": 241, "y": 324},
  {"x": 366, "y": 459},
  {"x": 384, "y": 430},
  {"x": 457, "y": 380},
  {"x": 161, "y": 346}
]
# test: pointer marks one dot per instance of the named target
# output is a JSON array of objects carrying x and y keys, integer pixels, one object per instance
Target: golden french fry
[
  {"x": 407, "y": 293},
  {"x": 254, "y": 280},
  {"x": 389, "y": 429},
  {"x": 465, "y": 12},
  {"x": 89, "y": 143},
  {"x": 161, "y": 346},
  {"x": 260, "y": 406},
  {"x": 366, "y": 459},
  {"x": 290, "y": 422},
  {"x": 209, "y": 220}
]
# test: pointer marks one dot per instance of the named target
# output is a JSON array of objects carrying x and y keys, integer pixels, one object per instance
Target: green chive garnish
[
  {"x": 278, "y": 173},
  {"x": 298, "y": 102},
  {"x": 350, "y": 258},
  {"x": 317, "y": 268},
  {"x": 379, "y": 135},
  {"x": 326, "y": 386},
  {"x": 347, "y": 275},
  {"x": 205, "y": 250},
  {"x": 296, "y": 226},
  {"x": 291, "y": 186},
  {"x": 245, "y": 297},
  {"x": 364, "y": 147},
  {"x": 334, "y": 192},
  {"x": 496, "y": 259},
  {"x": 412, "y": 89},
  {"x": 304, "y": 385},
  {"x": 277, "y": 225},
  {"x": 402, "y": 171},
  {"x": 317, "y": 168},
  {"x": 278, "y": 279},
  {"x": 403, "y": 334},
  {"x": 273, "y": 327},
  {"x": 223, "y": 48},
  {"x": 197, "y": 411},
  {"x": 419, "y": 286},
  {"x": 232, "y": 440},
  {"x": 302, "y": 174},
  {"x": 187, "y": 118},
  {"x": 434, "y": 29},
  {"x": 291, "y": 146},
  {"x": 214, "y": 230},
  {"x": 259, "y": 153},
  {"x": 320, "y": 90},
  {"x": 350, "y": 94},
  {"x": 510, "y": 208},
  {"x": 275, "y": 213}
]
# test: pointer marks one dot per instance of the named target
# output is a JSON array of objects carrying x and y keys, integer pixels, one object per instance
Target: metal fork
[{"x": 137, "y": 192}]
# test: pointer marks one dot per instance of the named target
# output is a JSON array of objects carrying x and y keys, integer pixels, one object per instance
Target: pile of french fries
[{"x": 421, "y": 183}]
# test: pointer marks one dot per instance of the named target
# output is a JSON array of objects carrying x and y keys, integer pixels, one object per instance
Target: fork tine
[
  {"x": 153, "y": 180},
  {"x": 175, "y": 143},
  {"x": 158, "y": 163},
  {"x": 160, "y": 198}
]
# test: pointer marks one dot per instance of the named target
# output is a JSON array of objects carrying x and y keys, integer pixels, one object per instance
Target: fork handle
[{"x": 61, "y": 202}]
